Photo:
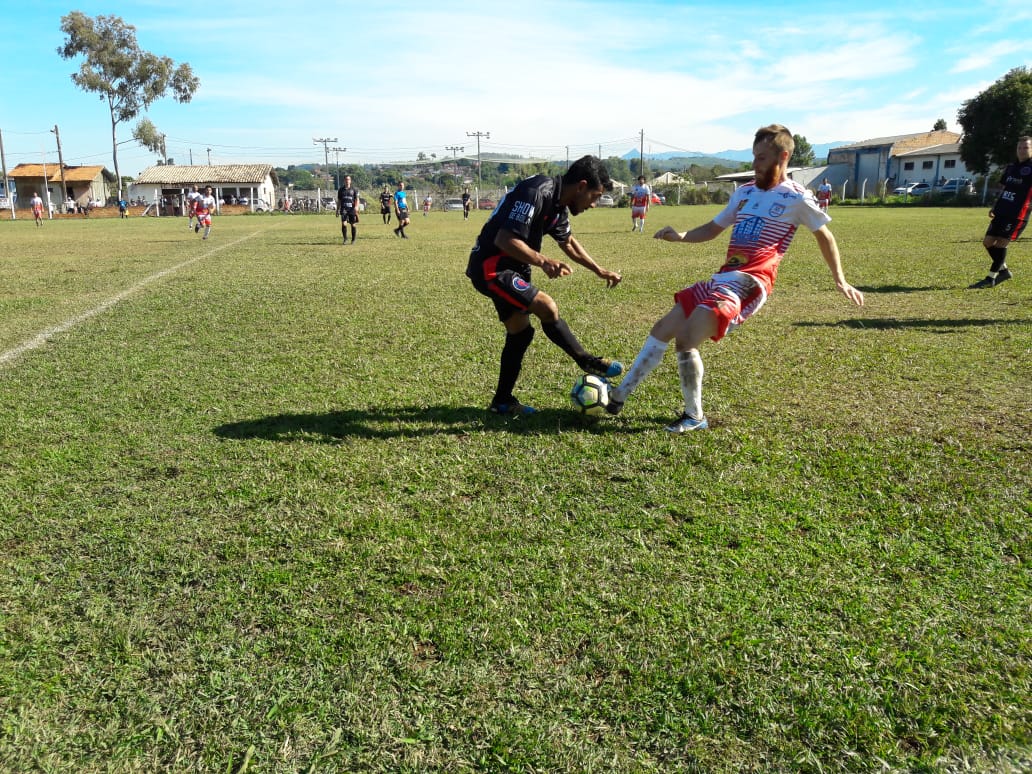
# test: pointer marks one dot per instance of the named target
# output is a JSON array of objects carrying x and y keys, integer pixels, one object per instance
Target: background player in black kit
[
  {"x": 347, "y": 206},
  {"x": 386, "y": 198},
  {"x": 1009, "y": 214},
  {"x": 508, "y": 246}
]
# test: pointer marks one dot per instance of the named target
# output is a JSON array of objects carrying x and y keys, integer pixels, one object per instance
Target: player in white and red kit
[
  {"x": 193, "y": 203},
  {"x": 824, "y": 195},
  {"x": 641, "y": 197},
  {"x": 205, "y": 208},
  {"x": 765, "y": 215}
]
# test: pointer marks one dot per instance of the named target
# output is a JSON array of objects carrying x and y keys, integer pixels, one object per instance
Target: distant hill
[{"x": 724, "y": 157}]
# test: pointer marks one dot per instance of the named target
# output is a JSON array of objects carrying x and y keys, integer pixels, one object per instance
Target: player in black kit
[
  {"x": 385, "y": 204},
  {"x": 466, "y": 202},
  {"x": 347, "y": 206},
  {"x": 509, "y": 245},
  {"x": 1009, "y": 214}
]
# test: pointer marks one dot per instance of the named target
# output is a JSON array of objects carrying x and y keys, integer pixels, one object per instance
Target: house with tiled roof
[
  {"x": 921, "y": 157},
  {"x": 83, "y": 184},
  {"x": 228, "y": 181}
]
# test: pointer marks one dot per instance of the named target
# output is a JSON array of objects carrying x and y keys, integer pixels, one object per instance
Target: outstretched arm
[
  {"x": 702, "y": 233},
  {"x": 829, "y": 249}
]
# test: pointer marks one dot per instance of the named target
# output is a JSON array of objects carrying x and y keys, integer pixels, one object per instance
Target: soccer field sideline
[{"x": 44, "y": 336}]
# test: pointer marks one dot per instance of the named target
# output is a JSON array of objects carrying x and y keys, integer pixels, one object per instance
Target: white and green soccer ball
[{"x": 590, "y": 395}]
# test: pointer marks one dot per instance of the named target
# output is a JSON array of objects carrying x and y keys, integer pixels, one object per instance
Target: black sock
[
  {"x": 559, "y": 333},
  {"x": 512, "y": 363},
  {"x": 999, "y": 256},
  {"x": 352, "y": 233}
]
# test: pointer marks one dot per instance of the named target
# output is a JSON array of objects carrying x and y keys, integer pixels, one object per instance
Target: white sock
[
  {"x": 650, "y": 356},
  {"x": 689, "y": 366}
]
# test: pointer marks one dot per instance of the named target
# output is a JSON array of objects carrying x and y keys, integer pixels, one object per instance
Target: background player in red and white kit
[
  {"x": 193, "y": 204},
  {"x": 509, "y": 245},
  {"x": 824, "y": 195},
  {"x": 204, "y": 211},
  {"x": 1009, "y": 214},
  {"x": 765, "y": 215},
  {"x": 641, "y": 198}
]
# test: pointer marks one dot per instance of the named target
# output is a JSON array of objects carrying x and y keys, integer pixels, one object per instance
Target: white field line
[{"x": 43, "y": 337}]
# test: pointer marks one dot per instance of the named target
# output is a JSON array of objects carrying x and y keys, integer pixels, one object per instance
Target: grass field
[{"x": 254, "y": 517}]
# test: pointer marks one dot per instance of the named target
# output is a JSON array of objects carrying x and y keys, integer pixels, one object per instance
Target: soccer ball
[{"x": 590, "y": 395}]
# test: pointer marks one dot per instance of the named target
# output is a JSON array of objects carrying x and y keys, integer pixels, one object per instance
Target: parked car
[
  {"x": 913, "y": 189},
  {"x": 658, "y": 198},
  {"x": 260, "y": 205},
  {"x": 956, "y": 185},
  {"x": 487, "y": 204},
  {"x": 453, "y": 205},
  {"x": 605, "y": 200}
]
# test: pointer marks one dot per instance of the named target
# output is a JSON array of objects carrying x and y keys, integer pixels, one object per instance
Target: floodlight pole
[{"x": 480, "y": 171}]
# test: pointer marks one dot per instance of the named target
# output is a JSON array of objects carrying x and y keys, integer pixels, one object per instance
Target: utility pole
[
  {"x": 455, "y": 149},
  {"x": 209, "y": 157},
  {"x": 3, "y": 167},
  {"x": 338, "y": 151},
  {"x": 480, "y": 173},
  {"x": 641, "y": 155},
  {"x": 60, "y": 161},
  {"x": 326, "y": 147}
]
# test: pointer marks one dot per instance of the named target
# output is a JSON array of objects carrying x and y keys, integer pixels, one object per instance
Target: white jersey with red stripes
[
  {"x": 764, "y": 224},
  {"x": 640, "y": 195}
]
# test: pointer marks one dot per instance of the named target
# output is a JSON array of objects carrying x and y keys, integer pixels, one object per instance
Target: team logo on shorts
[
  {"x": 777, "y": 210},
  {"x": 520, "y": 284}
]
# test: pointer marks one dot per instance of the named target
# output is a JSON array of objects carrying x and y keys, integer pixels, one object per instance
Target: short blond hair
[{"x": 778, "y": 136}]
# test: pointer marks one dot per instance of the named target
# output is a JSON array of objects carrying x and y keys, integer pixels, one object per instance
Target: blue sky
[{"x": 546, "y": 78}]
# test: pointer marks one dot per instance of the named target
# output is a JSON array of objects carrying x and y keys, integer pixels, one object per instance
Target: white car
[
  {"x": 453, "y": 205},
  {"x": 914, "y": 189},
  {"x": 605, "y": 200}
]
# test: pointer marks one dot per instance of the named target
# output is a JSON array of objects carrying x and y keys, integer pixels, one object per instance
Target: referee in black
[
  {"x": 1009, "y": 214},
  {"x": 509, "y": 245}
]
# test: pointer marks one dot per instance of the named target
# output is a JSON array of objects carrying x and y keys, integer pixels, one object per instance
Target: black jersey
[
  {"x": 347, "y": 199},
  {"x": 1014, "y": 200},
  {"x": 385, "y": 201},
  {"x": 530, "y": 210}
]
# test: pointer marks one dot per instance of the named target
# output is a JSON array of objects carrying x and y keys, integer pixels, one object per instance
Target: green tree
[
  {"x": 939, "y": 126},
  {"x": 803, "y": 154},
  {"x": 618, "y": 169},
  {"x": 147, "y": 134},
  {"x": 993, "y": 121},
  {"x": 114, "y": 66}
]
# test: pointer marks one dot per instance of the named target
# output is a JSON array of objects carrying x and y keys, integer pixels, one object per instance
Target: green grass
[{"x": 254, "y": 516}]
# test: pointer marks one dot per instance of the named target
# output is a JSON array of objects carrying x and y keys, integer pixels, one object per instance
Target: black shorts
[
  {"x": 385, "y": 209},
  {"x": 1005, "y": 227},
  {"x": 403, "y": 214},
  {"x": 349, "y": 216},
  {"x": 510, "y": 291}
]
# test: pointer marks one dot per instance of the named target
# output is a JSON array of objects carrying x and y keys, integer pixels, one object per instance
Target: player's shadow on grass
[
  {"x": 901, "y": 288},
  {"x": 404, "y": 422},
  {"x": 894, "y": 323}
]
